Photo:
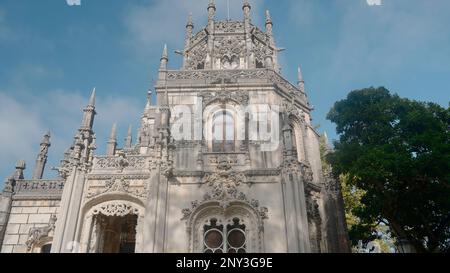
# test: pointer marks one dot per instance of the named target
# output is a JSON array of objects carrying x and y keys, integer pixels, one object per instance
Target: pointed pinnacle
[
  {"x": 189, "y": 22},
  {"x": 246, "y": 4},
  {"x": 113, "y": 135},
  {"x": 268, "y": 18},
  {"x": 130, "y": 128},
  {"x": 300, "y": 75},
  {"x": 92, "y": 99},
  {"x": 164, "y": 54}
]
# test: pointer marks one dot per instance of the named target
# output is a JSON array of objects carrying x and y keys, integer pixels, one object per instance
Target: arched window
[
  {"x": 223, "y": 132},
  {"x": 218, "y": 238},
  {"x": 46, "y": 248}
]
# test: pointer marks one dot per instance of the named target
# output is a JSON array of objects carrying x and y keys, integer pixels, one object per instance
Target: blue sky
[{"x": 53, "y": 54}]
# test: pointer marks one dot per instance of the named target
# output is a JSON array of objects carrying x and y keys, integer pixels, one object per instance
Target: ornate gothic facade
[{"x": 224, "y": 189}]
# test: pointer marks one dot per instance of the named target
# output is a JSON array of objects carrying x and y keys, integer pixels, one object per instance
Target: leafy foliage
[{"x": 397, "y": 152}]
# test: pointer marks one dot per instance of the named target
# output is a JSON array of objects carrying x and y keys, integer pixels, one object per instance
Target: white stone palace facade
[{"x": 199, "y": 176}]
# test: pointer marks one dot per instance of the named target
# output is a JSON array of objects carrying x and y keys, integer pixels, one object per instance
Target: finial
[
  {"x": 113, "y": 135},
  {"x": 20, "y": 165},
  {"x": 130, "y": 128},
  {"x": 46, "y": 139},
  {"x": 129, "y": 138},
  {"x": 300, "y": 81},
  {"x": 268, "y": 18},
  {"x": 299, "y": 74},
  {"x": 246, "y": 5},
  {"x": 92, "y": 99},
  {"x": 211, "y": 4},
  {"x": 189, "y": 22},
  {"x": 164, "y": 54}
]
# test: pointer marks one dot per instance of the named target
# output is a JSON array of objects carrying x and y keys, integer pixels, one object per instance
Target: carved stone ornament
[
  {"x": 121, "y": 185},
  {"x": 121, "y": 162},
  {"x": 35, "y": 235},
  {"x": 224, "y": 96},
  {"x": 116, "y": 208},
  {"x": 224, "y": 188},
  {"x": 293, "y": 166}
]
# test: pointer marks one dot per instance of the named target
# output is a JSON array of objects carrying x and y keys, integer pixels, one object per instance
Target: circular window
[
  {"x": 213, "y": 239},
  {"x": 236, "y": 238}
]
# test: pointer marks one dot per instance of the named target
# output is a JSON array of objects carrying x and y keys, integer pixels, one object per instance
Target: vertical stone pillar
[
  {"x": 295, "y": 212},
  {"x": 5, "y": 209},
  {"x": 68, "y": 218},
  {"x": 156, "y": 214}
]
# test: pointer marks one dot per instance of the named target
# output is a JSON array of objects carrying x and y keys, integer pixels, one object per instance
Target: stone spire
[
  {"x": 41, "y": 159},
  {"x": 300, "y": 81},
  {"x": 246, "y": 7},
  {"x": 129, "y": 138},
  {"x": 89, "y": 113},
  {"x": 164, "y": 59},
  {"x": 269, "y": 28},
  {"x": 163, "y": 64},
  {"x": 112, "y": 142},
  {"x": 211, "y": 12},
  {"x": 210, "y": 29},
  {"x": 189, "y": 30}
]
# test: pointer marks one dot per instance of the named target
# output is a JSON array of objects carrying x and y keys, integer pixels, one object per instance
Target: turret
[
  {"x": 112, "y": 142},
  {"x": 209, "y": 64},
  {"x": 211, "y": 15},
  {"x": 129, "y": 138},
  {"x": 187, "y": 41},
  {"x": 300, "y": 81},
  {"x": 89, "y": 113},
  {"x": 163, "y": 64},
  {"x": 269, "y": 28},
  {"x": 246, "y": 7},
  {"x": 42, "y": 157},
  {"x": 189, "y": 31}
]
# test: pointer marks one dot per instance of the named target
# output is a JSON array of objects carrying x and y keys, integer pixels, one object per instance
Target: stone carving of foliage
[
  {"x": 224, "y": 187},
  {"x": 197, "y": 55},
  {"x": 35, "y": 235},
  {"x": 224, "y": 96},
  {"x": 120, "y": 184},
  {"x": 230, "y": 46},
  {"x": 293, "y": 166},
  {"x": 229, "y": 27},
  {"x": 121, "y": 162},
  {"x": 116, "y": 208}
]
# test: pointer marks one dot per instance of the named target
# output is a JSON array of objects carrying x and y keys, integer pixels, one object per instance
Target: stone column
[
  {"x": 5, "y": 209},
  {"x": 68, "y": 224},
  {"x": 296, "y": 220}
]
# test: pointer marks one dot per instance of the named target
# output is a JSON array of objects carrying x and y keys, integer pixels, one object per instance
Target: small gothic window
[
  {"x": 223, "y": 132},
  {"x": 201, "y": 66},
  {"x": 46, "y": 248},
  {"x": 228, "y": 239},
  {"x": 259, "y": 64},
  {"x": 230, "y": 62}
]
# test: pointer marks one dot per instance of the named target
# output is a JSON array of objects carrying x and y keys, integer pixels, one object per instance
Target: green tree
[{"x": 397, "y": 152}]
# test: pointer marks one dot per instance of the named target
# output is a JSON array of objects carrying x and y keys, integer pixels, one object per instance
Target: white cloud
[
  {"x": 158, "y": 22},
  {"x": 373, "y": 2},
  {"x": 73, "y": 2},
  {"x": 24, "y": 120}
]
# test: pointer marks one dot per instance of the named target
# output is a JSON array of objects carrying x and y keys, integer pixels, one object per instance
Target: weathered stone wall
[{"x": 26, "y": 214}]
